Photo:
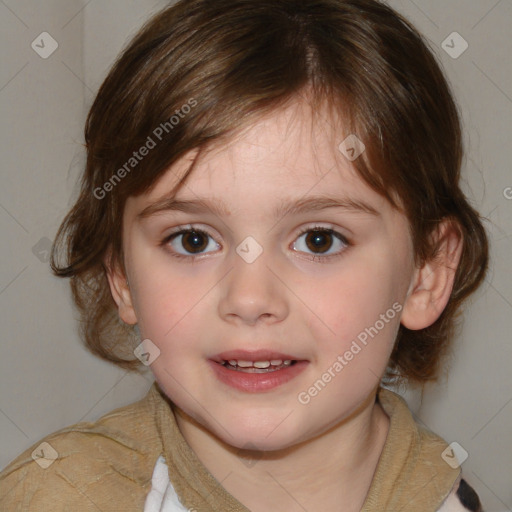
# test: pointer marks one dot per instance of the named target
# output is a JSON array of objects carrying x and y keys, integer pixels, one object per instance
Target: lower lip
[{"x": 257, "y": 382}]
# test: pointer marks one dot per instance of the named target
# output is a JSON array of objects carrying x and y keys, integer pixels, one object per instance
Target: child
[{"x": 271, "y": 203}]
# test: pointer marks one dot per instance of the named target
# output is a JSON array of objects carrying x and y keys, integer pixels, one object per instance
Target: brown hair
[{"x": 234, "y": 60}]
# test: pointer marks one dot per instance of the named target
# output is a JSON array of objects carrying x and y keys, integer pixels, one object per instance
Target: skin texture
[{"x": 313, "y": 309}]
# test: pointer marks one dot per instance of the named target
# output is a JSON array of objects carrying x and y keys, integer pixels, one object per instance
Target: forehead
[
  {"x": 296, "y": 138},
  {"x": 291, "y": 152}
]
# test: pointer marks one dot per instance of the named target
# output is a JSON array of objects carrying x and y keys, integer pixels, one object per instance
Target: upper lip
[{"x": 253, "y": 355}]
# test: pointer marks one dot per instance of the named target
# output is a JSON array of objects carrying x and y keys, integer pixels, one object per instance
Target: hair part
[{"x": 238, "y": 60}]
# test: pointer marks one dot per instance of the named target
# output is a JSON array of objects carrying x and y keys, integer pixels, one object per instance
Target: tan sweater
[{"x": 108, "y": 465}]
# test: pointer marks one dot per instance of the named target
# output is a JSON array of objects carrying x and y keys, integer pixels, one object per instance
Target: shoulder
[
  {"x": 462, "y": 498},
  {"x": 428, "y": 477},
  {"x": 104, "y": 465}
]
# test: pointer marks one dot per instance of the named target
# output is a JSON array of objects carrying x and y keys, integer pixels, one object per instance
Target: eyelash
[{"x": 313, "y": 257}]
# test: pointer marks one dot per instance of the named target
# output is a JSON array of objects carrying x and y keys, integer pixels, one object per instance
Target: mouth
[
  {"x": 256, "y": 371},
  {"x": 272, "y": 365}
]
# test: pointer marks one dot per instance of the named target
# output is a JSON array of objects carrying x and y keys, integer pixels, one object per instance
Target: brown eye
[
  {"x": 190, "y": 242},
  {"x": 319, "y": 241},
  {"x": 194, "y": 241}
]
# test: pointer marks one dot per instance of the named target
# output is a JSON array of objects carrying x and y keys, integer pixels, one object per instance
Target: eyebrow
[{"x": 219, "y": 208}]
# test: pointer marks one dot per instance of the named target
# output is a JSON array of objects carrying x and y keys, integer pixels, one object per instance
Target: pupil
[
  {"x": 194, "y": 242},
  {"x": 320, "y": 241}
]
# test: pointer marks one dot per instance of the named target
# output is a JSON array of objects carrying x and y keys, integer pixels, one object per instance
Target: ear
[
  {"x": 432, "y": 284},
  {"x": 121, "y": 293}
]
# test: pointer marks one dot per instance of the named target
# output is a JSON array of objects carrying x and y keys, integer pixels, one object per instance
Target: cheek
[
  {"x": 354, "y": 296},
  {"x": 173, "y": 302},
  {"x": 161, "y": 298},
  {"x": 361, "y": 310}
]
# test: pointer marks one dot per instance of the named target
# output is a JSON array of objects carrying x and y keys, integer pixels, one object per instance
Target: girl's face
[{"x": 272, "y": 282}]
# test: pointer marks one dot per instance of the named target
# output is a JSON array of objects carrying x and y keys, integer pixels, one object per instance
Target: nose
[{"x": 252, "y": 293}]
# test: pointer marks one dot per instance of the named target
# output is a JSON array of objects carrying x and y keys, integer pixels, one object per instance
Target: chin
[
  {"x": 249, "y": 441},
  {"x": 261, "y": 432}
]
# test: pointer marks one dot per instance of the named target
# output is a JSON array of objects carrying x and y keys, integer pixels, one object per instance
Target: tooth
[
  {"x": 232, "y": 362},
  {"x": 276, "y": 362},
  {"x": 245, "y": 364},
  {"x": 288, "y": 362},
  {"x": 261, "y": 364}
]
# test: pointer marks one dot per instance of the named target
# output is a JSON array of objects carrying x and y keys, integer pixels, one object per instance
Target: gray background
[{"x": 48, "y": 380}]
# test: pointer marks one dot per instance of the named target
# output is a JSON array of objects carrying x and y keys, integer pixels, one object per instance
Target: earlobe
[
  {"x": 121, "y": 294},
  {"x": 432, "y": 284}
]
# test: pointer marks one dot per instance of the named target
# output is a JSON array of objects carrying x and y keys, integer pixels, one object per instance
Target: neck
[{"x": 335, "y": 467}]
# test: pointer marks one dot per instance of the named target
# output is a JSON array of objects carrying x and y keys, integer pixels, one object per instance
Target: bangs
[{"x": 236, "y": 64}]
